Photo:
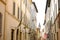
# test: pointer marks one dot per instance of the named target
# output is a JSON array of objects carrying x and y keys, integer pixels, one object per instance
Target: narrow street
[{"x": 29, "y": 19}]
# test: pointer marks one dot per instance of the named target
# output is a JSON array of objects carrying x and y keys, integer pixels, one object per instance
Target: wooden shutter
[{"x": 0, "y": 24}]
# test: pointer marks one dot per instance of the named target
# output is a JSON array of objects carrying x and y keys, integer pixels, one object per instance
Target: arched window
[{"x": 0, "y": 24}]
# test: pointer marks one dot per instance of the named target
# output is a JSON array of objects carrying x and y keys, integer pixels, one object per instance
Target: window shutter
[{"x": 0, "y": 24}]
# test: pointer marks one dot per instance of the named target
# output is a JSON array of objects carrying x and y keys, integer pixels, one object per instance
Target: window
[
  {"x": 0, "y": 24},
  {"x": 57, "y": 35},
  {"x": 21, "y": 16},
  {"x": 17, "y": 34},
  {"x": 12, "y": 34},
  {"x": 18, "y": 12},
  {"x": 20, "y": 35},
  {"x": 59, "y": 20},
  {"x": 55, "y": 27},
  {"x": 49, "y": 1},
  {"x": 13, "y": 8}
]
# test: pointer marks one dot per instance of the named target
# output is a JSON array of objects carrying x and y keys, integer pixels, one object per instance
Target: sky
[{"x": 41, "y": 11}]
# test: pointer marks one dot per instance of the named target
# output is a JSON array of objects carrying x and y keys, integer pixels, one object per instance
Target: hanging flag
[{"x": 45, "y": 36}]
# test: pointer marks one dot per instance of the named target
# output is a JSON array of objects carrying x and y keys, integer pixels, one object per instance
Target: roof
[
  {"x": 35, "y": 6},
  {"x": 47, "y": 5}
]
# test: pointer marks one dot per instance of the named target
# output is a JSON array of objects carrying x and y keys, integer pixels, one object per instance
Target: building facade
[
  {"x": 2, "y": 20},
  {"x": 16, "y": 19},
  {"x": 53, "y": 33},
  {"x": 47, "y": 20},
  {"x": 38, "y": 37}
]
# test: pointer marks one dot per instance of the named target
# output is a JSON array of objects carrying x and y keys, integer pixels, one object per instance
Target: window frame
[
  {"x": 1, "y": 24},
  {"x": 13, "y": 8},
  {"x": 18, "y": 12},
  {"x": 12, "y": 34}
]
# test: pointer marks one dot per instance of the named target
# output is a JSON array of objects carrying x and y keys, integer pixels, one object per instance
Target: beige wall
[
  {"x": 9, "y": 6},
  {"x": 59, "y": 34},
  {"x": 4, "y": 0},
  {"x": 2, "y": 11},
  {"x": 11, "y": 21}
]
